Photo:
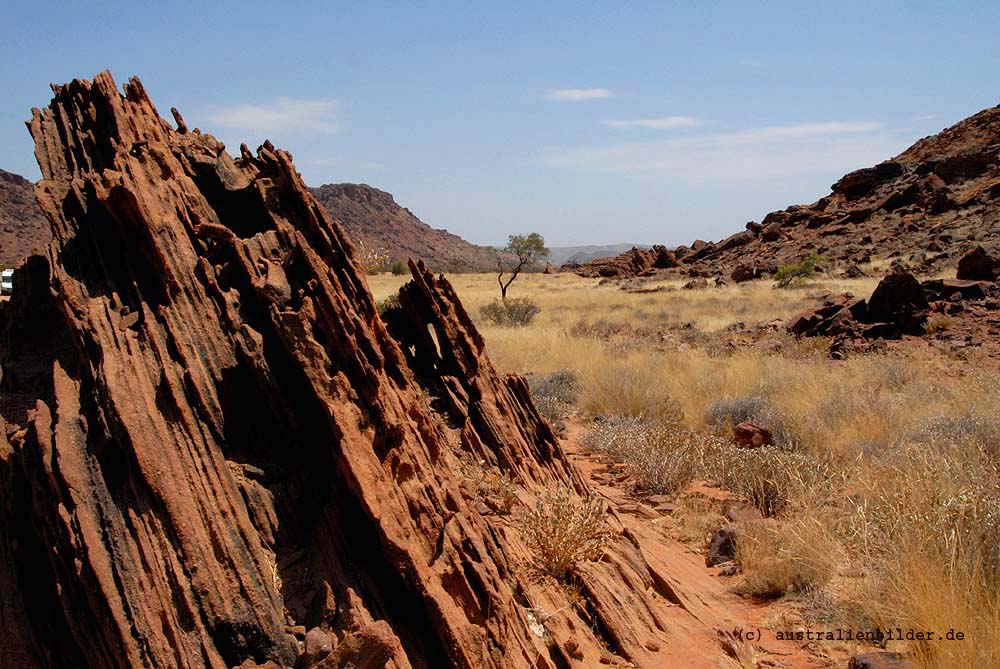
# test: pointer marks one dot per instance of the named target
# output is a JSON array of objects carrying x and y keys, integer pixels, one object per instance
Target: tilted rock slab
[{"x": 213, "y": 442}]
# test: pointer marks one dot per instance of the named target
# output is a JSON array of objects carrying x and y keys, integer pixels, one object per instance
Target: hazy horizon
[{"x": 593, "y": 125}]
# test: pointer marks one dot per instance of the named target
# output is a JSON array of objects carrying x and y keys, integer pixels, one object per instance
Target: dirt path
[{"x": 696, "y": 589}]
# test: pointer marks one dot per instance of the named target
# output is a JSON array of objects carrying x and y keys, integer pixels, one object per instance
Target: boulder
[
  {"x": 978, "y": 265},
  {"x": 549, "y": 269},
  {"x": 733, "y": 241},
  {"x": 946, "y": 289},
  {"x": 318, "y": 645},
  {"x": 751, "y": 435},
  {"x": 771, "y": 232},
  {"x": 698, "y": 283},
  {"x": 899, "y": 300},
  {"x": 722, "y": 547},
  {"x": 862, "y": 182},
  {"x": 664, "y": 258},
  {"x": 744, "y": 272}
]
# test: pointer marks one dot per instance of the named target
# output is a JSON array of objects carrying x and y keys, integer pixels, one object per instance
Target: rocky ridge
[{"x": 924, "y": 207}]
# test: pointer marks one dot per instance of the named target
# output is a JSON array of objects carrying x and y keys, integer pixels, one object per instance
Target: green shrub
[
  {"x": 793, "y": 275},
  {"x": 388, "y": 304},
  {"x": 516, "y": 311},
  {"x": 398, "y": 268}
]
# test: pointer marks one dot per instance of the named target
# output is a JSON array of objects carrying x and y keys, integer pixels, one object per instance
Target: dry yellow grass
[{"x": 923, "y": 530}]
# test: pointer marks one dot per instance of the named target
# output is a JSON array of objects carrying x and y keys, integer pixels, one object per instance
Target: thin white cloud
[
  {"x": 660, "y": 123},
  {"x": 284, "y": 115},
  {"x": 746, "y": 155},
  {"x": 578, "y": 94}
]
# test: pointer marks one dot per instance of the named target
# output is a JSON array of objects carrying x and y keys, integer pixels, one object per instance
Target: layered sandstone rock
[{"x": 218, "y": 454}]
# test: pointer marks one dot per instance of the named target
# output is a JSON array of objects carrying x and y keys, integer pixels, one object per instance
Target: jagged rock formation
[
  {"x": 926, "y": 207},
  {"x": 23, "y": 229},
  {"x": 371, "y": 216},
  {"x": 902, "y": 306},
  {"x": 634, "y": 262},
  {"x": 217, "y": 454}
]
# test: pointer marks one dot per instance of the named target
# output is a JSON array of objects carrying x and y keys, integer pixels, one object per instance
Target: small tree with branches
[{"x": 527, "y": 251}]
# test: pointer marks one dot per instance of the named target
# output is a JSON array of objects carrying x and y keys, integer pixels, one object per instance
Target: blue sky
[{"x": 587, "y": 122}]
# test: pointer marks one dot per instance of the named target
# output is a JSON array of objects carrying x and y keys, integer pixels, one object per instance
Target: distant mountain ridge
[
  {"x": 373, "y": 217},
  {"x": 561, "y": 255}
]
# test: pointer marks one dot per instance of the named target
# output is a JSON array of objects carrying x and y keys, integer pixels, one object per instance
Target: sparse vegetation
[
  {"x": 373, "y": 258},
  {"x": 939, "y": 323},
  {"x": 796, "y": 556},
  {"x": 555, "y": 395},
  {"x": 388, "y": 303},
  {"x": 662, "y": 458},
  {"x": 563, "y": 530},
  {"x": 399, "y": 268},
  {"x": 798, "y": 273},
  {"x": 517, "y": 311},
  {"x": 894, "y": 452},
  {"x": 722, "y": 415}
]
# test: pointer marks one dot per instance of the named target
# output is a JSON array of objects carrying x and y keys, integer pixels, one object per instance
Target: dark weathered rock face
[
  {"x": 213, "y": 443},
  {"x": 23, "y": 229},
  {"x": 978, "y": 265}
]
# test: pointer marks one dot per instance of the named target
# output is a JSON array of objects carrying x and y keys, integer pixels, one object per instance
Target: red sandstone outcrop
[
  {"x": 634, "y": 262},
  {"x": 216, "y": 453}
]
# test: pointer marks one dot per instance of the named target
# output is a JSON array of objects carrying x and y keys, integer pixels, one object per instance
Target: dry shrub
[
  {"x": 662, "y": 458},
  {"x": 554, "y": 395},
  {"x": 795, "y": 556},
  {"x": 629, "y": 390},
  {"x": 390, "y": 303},
  {"x": 495, "y": 488},
  {"x": 564, "y": 529},
  {"x": 373, "y": 258},
  {"x": 767, "y": 477},
  {"x": 722, "y": 415},
  {"x": 925, "y": 525},
  {"x": 939, "y": 323}
]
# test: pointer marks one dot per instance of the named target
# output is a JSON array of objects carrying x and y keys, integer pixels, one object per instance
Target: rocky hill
[
  {"x": 924, "y": 208},
  {"x": 372, "y": 216},
  {"x": 23, "y": 229}
]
